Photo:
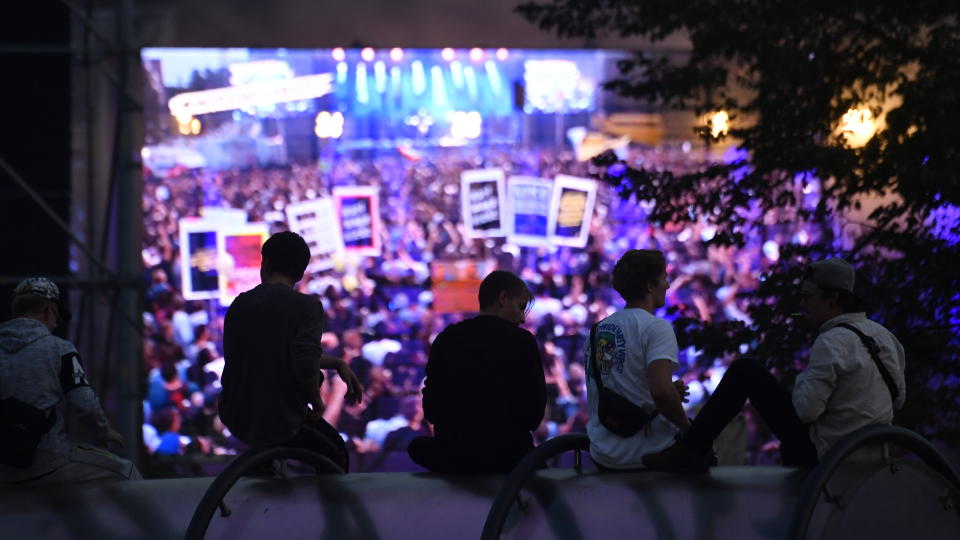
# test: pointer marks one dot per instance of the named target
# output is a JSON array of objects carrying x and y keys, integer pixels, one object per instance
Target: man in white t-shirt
[{"x": 635, "y": 353}]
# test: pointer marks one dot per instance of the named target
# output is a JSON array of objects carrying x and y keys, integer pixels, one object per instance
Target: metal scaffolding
[{"x": 105, "y": 223}]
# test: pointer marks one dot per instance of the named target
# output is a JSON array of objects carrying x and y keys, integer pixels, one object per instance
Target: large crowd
[{"x": 380, "y": 309}]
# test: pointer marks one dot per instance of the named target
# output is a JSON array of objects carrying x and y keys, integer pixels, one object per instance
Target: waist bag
[
  {"x": 616, "y": 413},
  {"x": 21, "y": 427}
]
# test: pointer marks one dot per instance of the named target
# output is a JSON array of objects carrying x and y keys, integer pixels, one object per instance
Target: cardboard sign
[
  {"x": 529, "y": 210},
  {"x": 482, "y": 202},
  {"x": 199, "y": 279},
  {"x": 455, "y": 284},
  {"x": 316, "y": 222},
  {"x": 239, "y": 258},
  {"x": 572, "y": 210},
  {"x": 358, "y": 213}
]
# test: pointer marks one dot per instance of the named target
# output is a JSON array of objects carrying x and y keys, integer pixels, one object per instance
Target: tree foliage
[{"x": 787, "y": 73}]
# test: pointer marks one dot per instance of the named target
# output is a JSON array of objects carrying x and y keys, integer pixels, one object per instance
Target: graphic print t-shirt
[{"x": 626, "y": 343}]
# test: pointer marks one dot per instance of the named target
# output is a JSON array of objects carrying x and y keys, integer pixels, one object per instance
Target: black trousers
[
  {"x": 464, "y": 458},
  {"x": 747, "y": 379},
  {"x": 317, "y": 435}
]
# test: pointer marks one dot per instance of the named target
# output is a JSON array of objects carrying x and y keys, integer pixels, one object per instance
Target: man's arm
[
  {"x": 814, "y": 385},
  {"x": 532, "y": 387},
  {"x": 436, "y": 389},
  {"x": 83, "y": 406},
  {"x": 306, "y": 353},
  {"x": 665, "y": 394}
]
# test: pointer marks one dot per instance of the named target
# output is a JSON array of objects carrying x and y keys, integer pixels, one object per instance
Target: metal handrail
[
  {"x": 817, "y": 480},
  {"x": 221, "y": 485},
  {"x": 500, "y": 509}
]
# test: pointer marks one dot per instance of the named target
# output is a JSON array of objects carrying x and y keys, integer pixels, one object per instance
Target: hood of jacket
[{"x": 18, "y": 333}]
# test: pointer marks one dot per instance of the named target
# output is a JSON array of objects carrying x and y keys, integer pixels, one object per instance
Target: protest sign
[
  {"x": 358, "y": 212},
  {"x": 316, "y": 221},
  {"x": 238, "y": 264},
  {"x": 199, "y": 279},
  {"x": 529, "y": 210},
  {"x": 571, "y": 210},
  {"x": 482, "y": 202}
]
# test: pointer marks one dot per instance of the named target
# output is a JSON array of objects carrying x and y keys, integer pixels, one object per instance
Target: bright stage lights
[
  {"x": 396, "y": 54},
  {"x": 328, "y": 125},
  {"x": 367, "y": 54},
  {"x": 448, "y": 54},
  {"x": 476, "y": 54},
  {"x": 339, "y": 54},
  {"x": 502, "y": 54},
  {"x": 718, "y": 123}
]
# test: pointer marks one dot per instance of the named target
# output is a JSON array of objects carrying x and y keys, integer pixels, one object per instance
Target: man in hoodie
[
  {"x": 42, "y": 374},
  {"x": 484, "y": 392}
]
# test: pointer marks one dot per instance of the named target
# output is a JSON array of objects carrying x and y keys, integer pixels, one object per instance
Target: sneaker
[{"x": 679, "y": 459}]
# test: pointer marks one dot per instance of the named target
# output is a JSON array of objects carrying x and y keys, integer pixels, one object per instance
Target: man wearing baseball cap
[
  {"x": 854, "y": 378},
  {"x": 43, "y": 387}
]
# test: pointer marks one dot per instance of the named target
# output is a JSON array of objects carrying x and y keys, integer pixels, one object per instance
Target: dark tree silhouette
[{"x": 788, "y": 73}]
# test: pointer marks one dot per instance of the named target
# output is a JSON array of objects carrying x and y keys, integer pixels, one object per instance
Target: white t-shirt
[{"x": 627, "y": 342}]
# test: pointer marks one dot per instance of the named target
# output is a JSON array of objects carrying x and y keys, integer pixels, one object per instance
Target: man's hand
[
  {"x": 683, "y": 390},
  {"x": 354, "y": 388},
  {"x": 114, "y": 438}
]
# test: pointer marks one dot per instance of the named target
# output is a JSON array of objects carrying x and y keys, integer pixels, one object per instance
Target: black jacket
[
  {"x": 271, "y": 342},
  {"x": 484, "y": 384}
]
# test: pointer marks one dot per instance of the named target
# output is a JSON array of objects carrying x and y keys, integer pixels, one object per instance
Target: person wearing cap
[
  {"x": 846, "y": 385},
  {"x": 42, "y": 375},
  {"x": 273, "y": 360}
]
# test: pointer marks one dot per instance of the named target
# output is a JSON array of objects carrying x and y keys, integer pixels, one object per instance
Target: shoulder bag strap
[{"x": 874, "y": 351}]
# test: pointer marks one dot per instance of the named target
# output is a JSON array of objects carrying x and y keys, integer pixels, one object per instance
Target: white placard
[
  {"x": 571, "y": 210},
  {"x": 316, "y": 221},
  {"x": 528, "y": 202},
  {"x": 482, "y": 203}
]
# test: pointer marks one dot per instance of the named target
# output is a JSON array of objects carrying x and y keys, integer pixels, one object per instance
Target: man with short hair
[
  {"x": 485, "y": 391},
  {"x": 44, "y": 389},
  {"x": 634, "y": 353},
  {"x": 273, "y": 359},
  {"x": 842, "y": 389}
]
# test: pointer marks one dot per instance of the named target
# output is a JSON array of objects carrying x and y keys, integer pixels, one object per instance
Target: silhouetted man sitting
[
  {"x": 273, "y": 360},
  {"x": 854, "y": 379},
  {"x": 485, "y": 390}
]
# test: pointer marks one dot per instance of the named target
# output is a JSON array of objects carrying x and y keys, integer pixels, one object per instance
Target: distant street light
[
  {"x": 717, "y": 123},
  {"x": 858, "y": 126}
]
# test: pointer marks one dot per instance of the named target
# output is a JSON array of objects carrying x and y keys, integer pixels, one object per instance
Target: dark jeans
[
  {"x": 433, "y": 454},
  {"x": 317, "y": 435},
  {"x": 748, "y": 379}
]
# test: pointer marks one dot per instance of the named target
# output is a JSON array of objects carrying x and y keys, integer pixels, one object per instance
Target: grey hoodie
[{"x": 43, "y": 370}]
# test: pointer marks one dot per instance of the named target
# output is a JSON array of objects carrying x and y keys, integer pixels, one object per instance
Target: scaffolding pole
[{"x": 128, "y": 346}]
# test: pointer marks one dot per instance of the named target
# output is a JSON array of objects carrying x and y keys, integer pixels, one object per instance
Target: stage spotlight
[
  {"x": 502, "y": 54},
  {"x": 363, "y": 90},
  {"x": 328, "y": 125},
  {"x": 439, "y": 88},
  {"x": 396, "y": 54},
  {"x": 419, "y": 77},
  {"x": 858, "y": 126},
  {"x": 476, "y": 54},
  {"x": 717, "y": 123},
  {"x": 448, "y": 54},
  {"x": 367, "y": 54},
  {"x": 380, "y": 76},
  {"x": 339, "y": 55}
]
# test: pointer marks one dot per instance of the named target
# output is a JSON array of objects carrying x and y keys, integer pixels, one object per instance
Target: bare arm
[{"x": 666, "y": 396}]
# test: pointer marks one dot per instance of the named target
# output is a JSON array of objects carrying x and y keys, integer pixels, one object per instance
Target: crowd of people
[{"x": 380, "y": 314}]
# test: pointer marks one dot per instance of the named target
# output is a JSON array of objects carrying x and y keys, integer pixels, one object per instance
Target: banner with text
[
  {"x": 529, "y": 210},
  {"x": 358, "y": 212},
  {"x": 572, "y": 209},
  {"x": 316, "y": 221},
  {"x": 482, "y": 202}
]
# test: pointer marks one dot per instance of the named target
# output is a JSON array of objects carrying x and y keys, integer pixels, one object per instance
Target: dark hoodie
[{"x": 43, "y": 370}]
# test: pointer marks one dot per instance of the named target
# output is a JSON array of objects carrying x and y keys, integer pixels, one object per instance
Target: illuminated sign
[{"x": 250, "y": 95}]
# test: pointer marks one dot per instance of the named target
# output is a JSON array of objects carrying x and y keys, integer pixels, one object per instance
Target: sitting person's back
[
  {"x": 273, "y": 359},
  {"x": 485, "y": 390},
  {"x": 44, "y": 386}
]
